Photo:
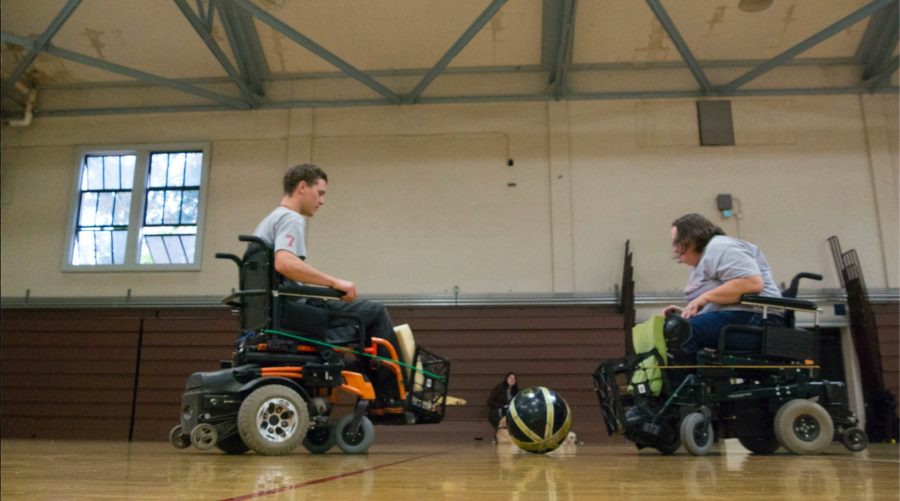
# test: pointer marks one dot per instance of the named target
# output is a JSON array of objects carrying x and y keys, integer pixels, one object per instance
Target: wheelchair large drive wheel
[
  {"x": 320, "y": 439},
  {"x": 804, "y": 427},
  {"x": 273, "y": 420},
  {"x": 695, "y": 437},
  {"x": 354, "y": 443}
]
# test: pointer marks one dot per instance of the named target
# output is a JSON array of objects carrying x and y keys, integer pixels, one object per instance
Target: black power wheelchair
[
  {"x": 292, "y": 359},
  {"x": 767, "y": 398}
]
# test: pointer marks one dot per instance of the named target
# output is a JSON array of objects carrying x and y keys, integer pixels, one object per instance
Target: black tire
[
  {"x": 179, "y": 439},
  {"x": 696, "y": 439},
  {"x": 855, "y": 439},
  {"x": 273, "y": 420},
  {"x": 760, "y": 445},
  {"x": 804, "y": 427},
  {"x": 354, "y": 443},
  {"x": 232, "y": 445},
  {"x": 320, "y": 439}
]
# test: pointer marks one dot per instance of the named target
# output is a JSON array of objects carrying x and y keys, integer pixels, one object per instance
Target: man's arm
[
  {"x": 728, "y": 293},
  {"x": 291, "y": 266}
]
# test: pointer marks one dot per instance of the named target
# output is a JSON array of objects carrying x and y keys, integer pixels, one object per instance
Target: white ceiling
[{"x": 118, "y": 56}]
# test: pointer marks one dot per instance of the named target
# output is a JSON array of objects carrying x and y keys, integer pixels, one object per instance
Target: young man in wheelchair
[{"x": 284, "y": 229}]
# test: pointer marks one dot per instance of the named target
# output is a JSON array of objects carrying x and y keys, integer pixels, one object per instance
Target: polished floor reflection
[{"x": 34, "y": 469}]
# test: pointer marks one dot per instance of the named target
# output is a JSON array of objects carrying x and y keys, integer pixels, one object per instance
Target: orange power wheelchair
[{"x": 293, "y": 358}]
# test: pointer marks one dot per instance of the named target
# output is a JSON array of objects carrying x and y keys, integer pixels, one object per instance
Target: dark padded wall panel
[{"x": 716, "y": 126}]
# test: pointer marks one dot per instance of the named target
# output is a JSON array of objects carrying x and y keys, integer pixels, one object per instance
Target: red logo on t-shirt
[{"x": 290, "y": 240}]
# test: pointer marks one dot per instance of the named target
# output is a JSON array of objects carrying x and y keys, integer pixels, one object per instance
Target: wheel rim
[
  {"x": 353, "y": 438},
  {"x": 806, "y": 428},
  {"x": 277, "y": 419},
  {"x": 701, "y": 434}
]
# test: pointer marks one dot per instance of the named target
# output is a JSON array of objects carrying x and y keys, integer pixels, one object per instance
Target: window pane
[
  {"x": 190, "y": 203},
  {"x": 193, "y": 168},
  {"x": 119, "y": 240},
  {"x": 105, "y": 209},
  {"x": 157, "y": 249},
  {"x": 158, "y": 170},
  {"x": 173, "y": 208},
  {"x": 155, "y": 200},
  {"x": 111, "y": 173},
  {"x": 128, "y": 171},
  {"x": 103, "y": 243},
  {"x": 189, "y": 242},
  {"x": 93, "y": 174},
  {"x": 175, "y": 249},
  {"x": 84, "y": 248},
  {"x": 123, "y": 209},
  {"x": 176, "y": 170}
]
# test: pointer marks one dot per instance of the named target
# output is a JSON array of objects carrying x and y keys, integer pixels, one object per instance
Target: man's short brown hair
[
  {"x": 308, "y": 173},
  {"x": 694, "y": 231}
]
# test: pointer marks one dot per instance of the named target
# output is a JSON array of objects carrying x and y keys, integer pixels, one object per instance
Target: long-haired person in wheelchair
[
  {"x": 285, "y": 230},
  {"x": 722, "y": 269}
]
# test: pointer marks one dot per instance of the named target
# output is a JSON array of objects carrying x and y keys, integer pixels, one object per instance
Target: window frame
[{"x": 139, "y": 188}]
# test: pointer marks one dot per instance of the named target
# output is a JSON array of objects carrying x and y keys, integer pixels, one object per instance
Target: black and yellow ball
[{"x": 538, "y": 420}]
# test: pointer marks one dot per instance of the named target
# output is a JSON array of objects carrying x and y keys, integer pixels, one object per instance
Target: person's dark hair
[
  {"x": 515, "y": 388},
  {"x": 694, "y": 231},
  {"x": 304, "y": 172}
]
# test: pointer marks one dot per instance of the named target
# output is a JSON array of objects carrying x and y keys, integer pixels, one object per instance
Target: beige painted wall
[{"x": 422, "y": 200}]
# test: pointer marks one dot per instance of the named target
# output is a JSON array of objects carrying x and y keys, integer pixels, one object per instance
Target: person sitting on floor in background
[{"x": 500, "y": 397}]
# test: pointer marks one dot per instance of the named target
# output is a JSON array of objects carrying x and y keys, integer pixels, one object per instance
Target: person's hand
[
  {"x": 694, "y": 307},
  {"x": 347, "y": 287},
  {"x": 668, "y": 310}
]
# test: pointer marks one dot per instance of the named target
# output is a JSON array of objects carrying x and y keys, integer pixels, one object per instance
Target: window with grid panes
[{"x": 139, "y": 209}]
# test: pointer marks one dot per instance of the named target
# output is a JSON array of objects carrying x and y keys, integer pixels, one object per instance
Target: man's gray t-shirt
[
  {"x": 284, "y": 229},
  {"x": 726, "y": 258}
]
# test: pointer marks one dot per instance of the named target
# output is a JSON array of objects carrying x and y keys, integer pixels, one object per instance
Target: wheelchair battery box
[
  {"x": 791, "y": 343},
  {"x": 322, "y": 375}
]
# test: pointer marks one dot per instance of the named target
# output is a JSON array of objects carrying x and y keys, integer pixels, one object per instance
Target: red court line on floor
[{"x": 328, "y": 479}]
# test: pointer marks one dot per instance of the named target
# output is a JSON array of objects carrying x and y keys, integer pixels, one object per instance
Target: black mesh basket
[{"x": 426, "y": 388}]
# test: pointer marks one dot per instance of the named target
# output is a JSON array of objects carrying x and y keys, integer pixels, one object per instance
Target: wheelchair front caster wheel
[
  {"x": 320, "y": 439},
  {"x": 855, "y": 439},
  {"x": 179, "y": 439},
  {"x": 696, "y": 438},
  {"x": 204, "y": 436},
  {"x": 357, "y": 442}
]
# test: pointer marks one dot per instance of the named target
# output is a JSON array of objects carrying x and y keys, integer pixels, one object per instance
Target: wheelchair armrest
[
  {"x": 779, "y": 302},
  {"x": 310, "y": 291},
  {"x": 234, "y": 298}
]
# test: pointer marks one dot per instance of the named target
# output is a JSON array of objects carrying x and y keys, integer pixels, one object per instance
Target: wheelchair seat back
[{"x": 256, "y": 284}]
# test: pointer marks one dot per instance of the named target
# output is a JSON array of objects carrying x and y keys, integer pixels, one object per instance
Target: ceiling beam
[
  {"x": 455, "y": 49},
  {"x": 879, "y": 41},
  {"x": 562, "y": 50},
  {"x": 878, "y": 82},
  {"x": 675, "y": 36},
  {"x": 42, "y": 42},
  {"x": 203, "y": 31},
  {"x": 122, "y": 70},
  {"x": 317, "y": 49},
  {"x": 805, "y": 45},
  {"x": 245, "y": 45}
]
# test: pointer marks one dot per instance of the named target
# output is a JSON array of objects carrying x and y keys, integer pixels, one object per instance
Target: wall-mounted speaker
[{"x": 714, "y": 120}]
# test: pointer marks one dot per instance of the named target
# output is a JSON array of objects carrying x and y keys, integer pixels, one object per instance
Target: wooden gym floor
[{"x": 54, "y": 470}]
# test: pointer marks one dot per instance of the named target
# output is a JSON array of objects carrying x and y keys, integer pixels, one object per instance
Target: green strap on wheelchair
[
  {"x": 344, "y": 348},
  {"x": 646, "y": 337}
]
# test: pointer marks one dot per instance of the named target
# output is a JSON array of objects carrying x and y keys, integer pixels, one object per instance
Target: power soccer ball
[{"x": 538, "y": 420}]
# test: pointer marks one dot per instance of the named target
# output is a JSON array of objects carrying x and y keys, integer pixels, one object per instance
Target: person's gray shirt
[
  {"x": 726, "y": 258},
  {"x": 284, "y": 229}
]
